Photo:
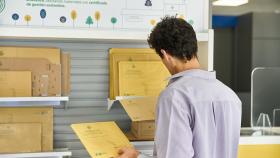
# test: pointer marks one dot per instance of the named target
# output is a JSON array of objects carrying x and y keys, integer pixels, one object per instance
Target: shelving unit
[
  {"x": 118, "y": 98},
  {"x": 201, "y": 37},
  {"x": 32, "y": 101},
  {"x": 75, "y": 41},
  {"x": 38, "y": 155}
]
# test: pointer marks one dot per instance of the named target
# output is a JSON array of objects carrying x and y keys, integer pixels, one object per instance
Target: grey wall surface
[
  {"x": 243, "y": 53},
  {"x": 266, "y": 40},
  {"x": 224, "y": 67},
  {"x": 245, "y": 98},
  {"x": 257, "y": 45},
  {"x": 253, "y": 6},
  {"x": 223, "y": 55},
  {"x": 90, "y": 84}
]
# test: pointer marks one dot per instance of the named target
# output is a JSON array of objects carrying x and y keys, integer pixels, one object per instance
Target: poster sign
[{"x": 132, "y": 15}]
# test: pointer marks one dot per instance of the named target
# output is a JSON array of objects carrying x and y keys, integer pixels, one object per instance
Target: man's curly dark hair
[{"x": 175, "y": 36}]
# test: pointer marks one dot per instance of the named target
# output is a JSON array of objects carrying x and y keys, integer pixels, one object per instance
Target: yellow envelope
[
  {"x": 126, "y": 54},
  {"x": 142, "y": 54},
  {"x": 140, "y": 109},
  {"x": 142, "y": 78},
  {"x": 101, "y": 139}
]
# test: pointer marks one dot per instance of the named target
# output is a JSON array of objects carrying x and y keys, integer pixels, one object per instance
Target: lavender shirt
[{"x": 197, "y": 117}]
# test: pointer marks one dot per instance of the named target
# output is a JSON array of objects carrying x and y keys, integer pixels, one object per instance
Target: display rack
[
  {"x": 118, "y": 98},
  {"x": 64, "y": 154},
  {"x": 32, "y": 101}
]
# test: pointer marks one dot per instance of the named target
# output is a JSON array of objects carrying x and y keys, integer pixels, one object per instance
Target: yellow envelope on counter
[
  {"x": 101, "y": 139},
  {"x": 142, "y": 78}
]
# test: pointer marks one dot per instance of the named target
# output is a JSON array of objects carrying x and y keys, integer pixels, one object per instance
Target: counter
[{"x": 253, "y": 143}]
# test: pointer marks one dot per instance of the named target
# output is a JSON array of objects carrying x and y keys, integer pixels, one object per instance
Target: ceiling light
[{"x": 230, "y": 2}]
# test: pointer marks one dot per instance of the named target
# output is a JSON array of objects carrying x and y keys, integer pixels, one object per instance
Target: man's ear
[{"x": 164, "y": 53}]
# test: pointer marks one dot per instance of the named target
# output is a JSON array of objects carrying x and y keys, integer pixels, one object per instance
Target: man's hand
[{"x": 128, "y": 153}]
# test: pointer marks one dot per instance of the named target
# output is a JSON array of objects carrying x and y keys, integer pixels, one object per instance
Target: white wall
[{"x": 252, "y": 6}]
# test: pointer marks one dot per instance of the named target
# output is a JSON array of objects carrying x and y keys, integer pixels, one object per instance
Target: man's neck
[{"x": 183, "y": 66}]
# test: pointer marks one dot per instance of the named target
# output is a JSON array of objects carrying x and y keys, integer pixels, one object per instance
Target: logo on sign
[{"x": 2, "y": 5}]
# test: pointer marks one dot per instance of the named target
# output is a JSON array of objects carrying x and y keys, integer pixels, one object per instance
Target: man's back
[{"x": 197, "y": 117}]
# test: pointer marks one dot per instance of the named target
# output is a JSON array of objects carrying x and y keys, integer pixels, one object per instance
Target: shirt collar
[{"x": 194, "y": 73}]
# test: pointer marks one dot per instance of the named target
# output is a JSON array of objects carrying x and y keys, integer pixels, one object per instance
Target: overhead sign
[{"x": 132, "y": 15}]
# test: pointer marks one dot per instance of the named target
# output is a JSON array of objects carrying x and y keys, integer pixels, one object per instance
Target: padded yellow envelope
[
  {"x": 140, "y": 109},
  {"x": 126, "y": 54},
  {"x": 15, "y": 84},
  {"x": 142, "y": 54},
  {"x": 146, "y": 78},
  {"x": 101, "y": 139},
  {"x": 52, "y": 54}
]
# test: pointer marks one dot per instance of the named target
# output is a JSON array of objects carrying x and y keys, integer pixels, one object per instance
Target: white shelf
[
  {"x": 81, "y": 34},
  {"x": 32, "y": 101},
  {"x": 38, "y": 155},
  {"x": 111, "y": 102}
]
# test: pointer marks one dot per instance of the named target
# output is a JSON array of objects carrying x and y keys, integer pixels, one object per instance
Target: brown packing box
[
  {"x": 55, "y": 80},
  {"x": 41, "y": 69},
  {"x": 143, "y": 130},
  {"x": 142, "y": 113},
  {"x": 65, "y": 74},
  {"x": 15, "y": 84},
  {"x": 51, "y": 54},
  {"x": 126, "y": 54},
  {"x": 42, "y": 115},
  {"x": 19, "y": 138}
]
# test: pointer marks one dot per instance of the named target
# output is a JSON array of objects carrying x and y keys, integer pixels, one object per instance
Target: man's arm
[{"x": 173, "y": 129}]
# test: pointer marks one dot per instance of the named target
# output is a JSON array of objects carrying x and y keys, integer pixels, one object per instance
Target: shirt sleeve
[{"x": 173, "y": 128}]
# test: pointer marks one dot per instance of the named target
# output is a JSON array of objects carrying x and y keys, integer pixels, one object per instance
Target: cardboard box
[
  {"x": 126, "y": 54},
  {"x": 15, "y": 84},
  {"x": 143, "y": 129},
  {"x": 65, "y": 74},
  {"x": 41, "y": 69},
  {"x": 17, "y": 138},
  {"x": 55, "y": 80},
  {"x": 43, "y": 116},
  {"x": 142, "y": 113},
  {"x": 51, "y": 54}
]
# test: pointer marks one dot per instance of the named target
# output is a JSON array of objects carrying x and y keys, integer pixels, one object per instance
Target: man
[{"x": 197, "y": 115}]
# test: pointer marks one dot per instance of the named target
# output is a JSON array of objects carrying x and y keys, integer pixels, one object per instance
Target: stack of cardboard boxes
[
  {"x": 30, "y": 72},
  {"x": 138, "y": 72}
]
